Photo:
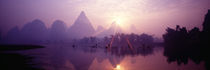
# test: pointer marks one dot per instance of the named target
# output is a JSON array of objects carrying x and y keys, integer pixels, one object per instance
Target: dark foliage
[
  {"x": 12, "y": 61},
  {"x": 18, "y": 47},
  {"x": 16, "y": 61},
  {"x": 181, "y": 44}
]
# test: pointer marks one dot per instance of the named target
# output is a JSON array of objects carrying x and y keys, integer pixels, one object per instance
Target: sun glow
[
  {"x": 120, "y": 21},
  {"x": 118, "y": 67}
]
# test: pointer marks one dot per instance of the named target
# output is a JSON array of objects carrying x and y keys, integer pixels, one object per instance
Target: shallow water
[{"x": 65, "y": 57}]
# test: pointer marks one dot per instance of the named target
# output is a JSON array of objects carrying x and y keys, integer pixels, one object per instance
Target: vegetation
[{"x": 181, "y": 44}]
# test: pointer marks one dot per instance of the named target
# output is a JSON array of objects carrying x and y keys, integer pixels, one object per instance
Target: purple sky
[{"x": 148, "y": 16}]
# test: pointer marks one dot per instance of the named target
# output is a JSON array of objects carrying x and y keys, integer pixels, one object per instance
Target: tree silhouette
[{"x": 181, "y": 45}]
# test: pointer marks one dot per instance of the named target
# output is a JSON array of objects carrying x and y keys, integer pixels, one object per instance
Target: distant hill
[
  {"x": 114, "y": 28},
  {"x": 35, "y": 30},
  {"x": 99, "y": 28},
  {"x": 13, "y": 34},
  {"x": 57, "y": 31},
  {"x": 82, "y": 27}
]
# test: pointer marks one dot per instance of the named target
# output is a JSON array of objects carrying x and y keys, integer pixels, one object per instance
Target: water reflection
[
  {"x": 118, "y": 67},
  {"x": 123, "y": 51},
  {"x": 65, "y": 57},
  {"x": 182, "y": 54}
]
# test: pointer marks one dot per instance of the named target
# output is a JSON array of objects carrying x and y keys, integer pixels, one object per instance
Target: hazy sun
[
  {"x": 122, "y": 21},
  {"x": 118, "y": 21}
]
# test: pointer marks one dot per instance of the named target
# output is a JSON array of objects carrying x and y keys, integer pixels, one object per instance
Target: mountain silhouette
[
  {"x": 58, "y": 30},
  {"x": 34, "y": 31},
  {"x": 113, "y": 29},
  {"x": 13, "y": 34},
  {"x": 99, "y": 28},
  {"x": 82, "y": 27}
]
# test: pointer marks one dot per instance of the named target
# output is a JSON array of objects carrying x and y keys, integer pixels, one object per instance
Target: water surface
[{"x": 66, "y": 57}]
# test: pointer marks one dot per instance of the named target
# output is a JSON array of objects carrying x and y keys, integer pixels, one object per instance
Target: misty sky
[{"x": 148, "y": 16}]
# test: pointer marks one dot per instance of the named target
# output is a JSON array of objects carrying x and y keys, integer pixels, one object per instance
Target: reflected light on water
[{"x": 118, "y": 67}]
